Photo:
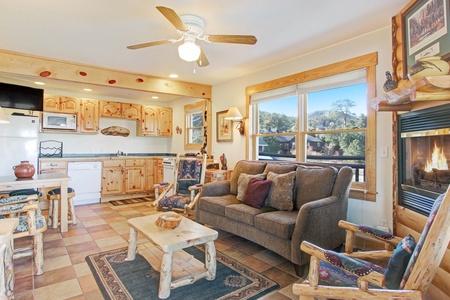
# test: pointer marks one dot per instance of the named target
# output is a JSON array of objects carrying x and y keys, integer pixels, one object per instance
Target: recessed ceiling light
[
  {"x": 87, "y": 90},
  {"x": 155, "y": 97},
  {"x": 39, "y": 83},
  {"x": 173, "y": 75}
]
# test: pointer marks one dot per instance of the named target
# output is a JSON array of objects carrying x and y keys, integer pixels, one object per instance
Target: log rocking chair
[
  {"x": 409, "y": 272},
  {"x": 182, "y": 194},
  {"x": 31, "y": 224}
]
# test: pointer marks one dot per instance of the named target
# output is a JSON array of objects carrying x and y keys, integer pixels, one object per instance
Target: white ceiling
[{"x": 96, "y": 32}]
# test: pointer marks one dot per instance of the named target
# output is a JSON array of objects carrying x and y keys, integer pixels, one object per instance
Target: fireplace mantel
[{"x": 425, "y": 89}]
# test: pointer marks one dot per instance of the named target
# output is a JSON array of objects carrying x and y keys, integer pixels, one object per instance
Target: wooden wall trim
[{"x": 23, "y": 64}]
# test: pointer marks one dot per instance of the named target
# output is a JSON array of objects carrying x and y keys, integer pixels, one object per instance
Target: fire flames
[{"x": 438, "y": 160}]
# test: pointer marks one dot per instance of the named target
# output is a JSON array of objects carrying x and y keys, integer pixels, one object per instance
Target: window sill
[{"x": 362, "y": 194}]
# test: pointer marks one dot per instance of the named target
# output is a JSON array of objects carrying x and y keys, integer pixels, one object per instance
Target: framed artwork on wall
[
  {"x": 224, "y": 130},
  {"x": 425, "y": 30}
]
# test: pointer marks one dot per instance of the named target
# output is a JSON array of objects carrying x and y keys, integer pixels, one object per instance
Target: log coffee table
[{"x": 188, "y": 233}]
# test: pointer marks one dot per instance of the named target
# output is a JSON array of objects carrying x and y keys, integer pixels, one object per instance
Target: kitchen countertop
[{"x": 93, "y": 156}]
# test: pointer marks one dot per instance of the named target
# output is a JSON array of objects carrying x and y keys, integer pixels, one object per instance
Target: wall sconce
[
  {"x": 3, "y": 117},
  {"x": 234, "y": 115}
]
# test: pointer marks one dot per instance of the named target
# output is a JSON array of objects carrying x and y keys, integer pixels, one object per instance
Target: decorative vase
[
  {"x": 24, "y": 169},
  {"x": 428, "y": 66}
]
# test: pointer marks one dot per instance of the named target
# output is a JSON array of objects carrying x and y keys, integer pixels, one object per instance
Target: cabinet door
[
  {"x": 112, "y": 180},
  {"x": 165, "y": 121},
  {"x": 131, "y": 111},
  {"x": 51, "y": 103},
  {"x": 149, "y": 174},
  {"x": 158, "y": 169},
  {"x": 89, "y": 116},
  {"x": 110, "y": 109},
  {"x": 147, "y": 124},
  {"x": 69, "y": 105},
  {"x": 135, "y": 179}
]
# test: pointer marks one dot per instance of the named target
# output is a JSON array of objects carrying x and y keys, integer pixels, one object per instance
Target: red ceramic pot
[{"x": 24, "y": 169}]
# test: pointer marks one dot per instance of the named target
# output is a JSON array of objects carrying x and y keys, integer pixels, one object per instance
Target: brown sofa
[{"x": 320, "y": 200}]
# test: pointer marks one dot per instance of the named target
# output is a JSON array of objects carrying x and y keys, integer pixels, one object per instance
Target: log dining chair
[
  {"x": 182, "y": 194},
  {"x": 31, "y": 223},
  {"x": 410, "y": 269}
]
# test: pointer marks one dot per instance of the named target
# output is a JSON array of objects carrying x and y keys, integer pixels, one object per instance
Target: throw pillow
[
  {"x": 256, "y": 192},
  {"x": 398, "y": 262},
  {"x": 281, "y": 194},
  {"x": 243, "y": 181}
]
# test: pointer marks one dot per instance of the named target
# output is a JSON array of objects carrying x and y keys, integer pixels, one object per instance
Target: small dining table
[{"x": 9, "y": 183}]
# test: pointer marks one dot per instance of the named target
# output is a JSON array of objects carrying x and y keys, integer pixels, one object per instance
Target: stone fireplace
[{"x": 423, "y": 157}]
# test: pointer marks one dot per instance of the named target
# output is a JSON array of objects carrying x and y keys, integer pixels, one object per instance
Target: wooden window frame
[
  {"x": 200, "y": 105},
  {"x": 359, "y": 190}
]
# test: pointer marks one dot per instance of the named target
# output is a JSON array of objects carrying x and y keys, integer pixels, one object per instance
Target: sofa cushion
[
  {"x": 281, "y": 194},
  {"x": 216, "y": 205},
  {"x": 313, "y": 183},
  {"x": 245, "y": 166},
  {"x": 244, "y": 213},
  {"x": 243, "y": 181},
  {"x": 256, "y": 192},
  {"x": 280, "y": 168},
  {"x": 278, "y": 223}
]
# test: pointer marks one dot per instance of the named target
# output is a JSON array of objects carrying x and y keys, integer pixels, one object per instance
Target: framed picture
[
  {"x": 224, "y": 127},
  {"x": 425, "y": 31}
]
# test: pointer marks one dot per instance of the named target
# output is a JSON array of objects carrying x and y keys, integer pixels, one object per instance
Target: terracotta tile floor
[{"x": 103, "y": 227}]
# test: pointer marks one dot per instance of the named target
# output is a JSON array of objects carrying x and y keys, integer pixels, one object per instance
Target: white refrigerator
[{"x": 18, "y": 141}]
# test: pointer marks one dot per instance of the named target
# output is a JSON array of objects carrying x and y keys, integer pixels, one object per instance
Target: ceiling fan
[{"x": 190, "y": 28}]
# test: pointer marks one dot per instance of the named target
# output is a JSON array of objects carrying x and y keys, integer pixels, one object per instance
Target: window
[
  {"x": 326, "y": 119},
  {"x": 194, "y": 130}
]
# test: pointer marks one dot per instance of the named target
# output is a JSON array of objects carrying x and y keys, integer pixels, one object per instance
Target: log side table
[
  {"x": 7, "y": 227},
  {"x": 188, "y": 233}
]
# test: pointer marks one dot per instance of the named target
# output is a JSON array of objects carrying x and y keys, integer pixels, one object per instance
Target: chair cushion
[
  {"x": 23, "y": 223},
  {"x": 244, "y": 213},
  {"x": 189, "y": 169},
  {"x": 57, "y": 191},
  {"x": 13, "y": 199},
  {"x": 175, "y": 201},
  {"x": 216, "y": 205},
  {"x": 11, "y": 208},
  {"x": 278, "y": 223},
  {"x": 281, "y": 194},
  {"x": 243, "y": 181},
  {"x": 423, "y": 236},
  {"x": 333, "y": 276},
  {"x": 256, "y": 192},
  {"x": 184, "y": 184},
  {"x": 398, "y": 262},
  {"x": 25, "y": 192}
]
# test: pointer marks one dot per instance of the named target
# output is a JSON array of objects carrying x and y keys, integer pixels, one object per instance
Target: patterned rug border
[
  {"x": 264, "y": 284},
  {"x": 131, "y": 201}
]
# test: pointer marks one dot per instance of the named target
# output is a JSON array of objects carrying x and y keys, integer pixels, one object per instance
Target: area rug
[
  {"x": 121, "y": 279},
  {"x": 132, "y": 201}
]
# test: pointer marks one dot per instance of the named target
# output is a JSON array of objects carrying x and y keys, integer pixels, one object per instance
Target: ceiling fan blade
[
  {"x": 173, "y": 18},
  {"x": 202, "y": 61},
  {"x": 233, "y": 39},
  {"x": 150, "y": 44}
]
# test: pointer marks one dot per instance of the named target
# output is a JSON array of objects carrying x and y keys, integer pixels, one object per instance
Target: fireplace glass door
[{"x": 424, "y": 157}]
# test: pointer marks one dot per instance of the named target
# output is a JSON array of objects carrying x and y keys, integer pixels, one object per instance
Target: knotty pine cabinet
[
  {"x": 89, "y": 117},
  {"x": 61, "y": 104},
  {"x": 155, "y": 121},
  {"x": 120, "y": 110},
  {"x": 134, "y": 175},
  {"x": 112, "y": 177}
]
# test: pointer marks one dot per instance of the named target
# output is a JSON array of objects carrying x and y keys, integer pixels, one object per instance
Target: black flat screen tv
[{"x": 21, "y": 97}]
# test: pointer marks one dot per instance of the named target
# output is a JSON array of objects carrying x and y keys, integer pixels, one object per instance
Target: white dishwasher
[{"x": 86, "y": 180}]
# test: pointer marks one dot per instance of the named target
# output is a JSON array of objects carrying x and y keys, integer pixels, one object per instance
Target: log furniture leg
[
  {"x": 166, "y": 275},
  {"x": 210, "y": 260},
  {"x": 132, "y": 244}
]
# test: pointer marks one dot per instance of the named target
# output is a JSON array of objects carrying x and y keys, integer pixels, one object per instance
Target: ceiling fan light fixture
[{"x": 189, "y": 51}]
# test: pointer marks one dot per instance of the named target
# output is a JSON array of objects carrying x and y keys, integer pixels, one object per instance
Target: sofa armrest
[
  {"x": 216, "y": 188},
  {"x": 317, "y": 222}
]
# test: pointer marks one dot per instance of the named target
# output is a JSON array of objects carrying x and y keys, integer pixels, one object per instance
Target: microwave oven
[{"x": 59, "y": 121}]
